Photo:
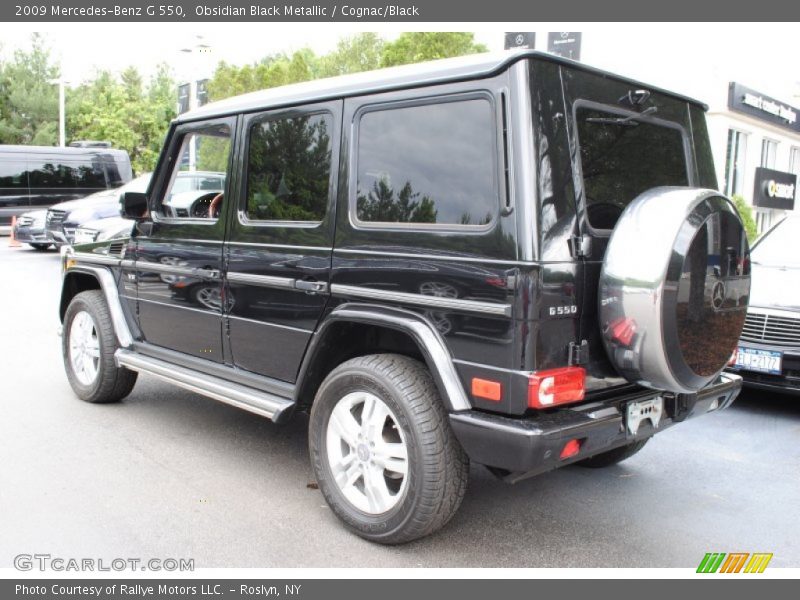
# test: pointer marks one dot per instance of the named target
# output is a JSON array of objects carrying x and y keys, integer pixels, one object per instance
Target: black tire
[
  {"x": 40, "y": 247},
  {"x": 437, "y": 467},
  {"x": 612, "y": 457},
  {"x": 111, "y": 383}
]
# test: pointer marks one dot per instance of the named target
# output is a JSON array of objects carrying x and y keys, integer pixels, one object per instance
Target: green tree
[
  {"x": 361, "y": 52},
  {"x": 419, "y": 46},
  {"x": 124, "y": 112},
  {"x": 28, "y": 101},
  {"x": 746, "y": 215}
]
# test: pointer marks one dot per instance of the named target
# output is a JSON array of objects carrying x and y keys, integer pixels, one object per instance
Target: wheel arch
[
  {"x": 81, "y": 279},
  {"x": 355, "y": 329}
]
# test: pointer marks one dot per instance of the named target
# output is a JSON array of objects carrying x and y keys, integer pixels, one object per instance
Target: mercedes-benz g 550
[{"x": 514, "y": 260}]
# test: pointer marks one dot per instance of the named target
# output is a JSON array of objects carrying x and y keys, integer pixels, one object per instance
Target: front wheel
[
  {"x": 88, "y": 346},
  {"x": 40, "y": 247},
  {"x": 382, "y": 449}
]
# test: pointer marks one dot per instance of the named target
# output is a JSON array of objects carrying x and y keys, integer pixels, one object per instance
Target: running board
[{"x": 235, "y": 394}]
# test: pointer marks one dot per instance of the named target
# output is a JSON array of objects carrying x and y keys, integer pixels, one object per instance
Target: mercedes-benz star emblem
[{"x": 718, "y": 295}]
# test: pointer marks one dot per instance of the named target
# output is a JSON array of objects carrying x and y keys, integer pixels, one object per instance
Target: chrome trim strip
[
  {"x": 169, "y": 269},
  {"x": 474, "y": 306},
  {"x": 240, "y": 396},
  {"x": 269, "y": 324},
  {"x": 470, "y": 259},
  {"x": 109, "y": 287},
  {"x": 425, "y": 334},
  {"x": 283, "y": 246},
  {"x": 99, "y": 259},
  {"x": 469, "y": 363},
  {"x": 269, "y": 281},
  {"x": 180, "y": 307}
]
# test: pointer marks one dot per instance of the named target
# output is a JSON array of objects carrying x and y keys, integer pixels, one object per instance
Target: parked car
[
  {"x": 30, "y": 229},
  {"x": 63, "y": 220},
  {"x": 34, "y": 177},
  {"x": 768, "y": 354},
  {"x": 576, "y": 282},
  {"x": 100, "y": 230}
]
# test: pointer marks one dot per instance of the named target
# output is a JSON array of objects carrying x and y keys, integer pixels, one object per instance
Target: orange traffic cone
[{"x": 12, "y": 241}]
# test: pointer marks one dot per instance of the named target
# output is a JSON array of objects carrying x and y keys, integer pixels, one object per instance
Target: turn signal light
[
  {"x": 556, "y": 386},
  {"x": 487, "y": 389}
]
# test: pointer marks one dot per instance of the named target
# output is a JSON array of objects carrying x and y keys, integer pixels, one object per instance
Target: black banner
[
  {"x": 382, "y": 589},
  {"x": 755, "y": 104},
  {"x": 774, "y": 189},
  {"x": 406, "y": 11}
]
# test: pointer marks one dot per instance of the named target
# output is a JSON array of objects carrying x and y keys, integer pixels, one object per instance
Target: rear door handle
[{"x": 310, "y": 286}]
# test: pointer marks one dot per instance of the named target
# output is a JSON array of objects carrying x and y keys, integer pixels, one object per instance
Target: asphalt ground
[{"x": 170, "y": 474}]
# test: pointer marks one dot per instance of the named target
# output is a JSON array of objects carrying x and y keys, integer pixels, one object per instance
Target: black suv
[{"x": 515, "y": 260}]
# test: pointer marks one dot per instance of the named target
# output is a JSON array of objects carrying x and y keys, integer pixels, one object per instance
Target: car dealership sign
[
  {"x": 774, "y": 189},
  {"x": 744, "y": 100}
]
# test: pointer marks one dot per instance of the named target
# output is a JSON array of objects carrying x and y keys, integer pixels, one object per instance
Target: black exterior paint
[{"x": 524, "y": 258}]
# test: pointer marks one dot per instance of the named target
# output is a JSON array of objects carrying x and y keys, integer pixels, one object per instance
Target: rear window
[{"x": 623, "y": 156}]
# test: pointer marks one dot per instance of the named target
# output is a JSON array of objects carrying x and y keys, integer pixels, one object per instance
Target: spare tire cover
[{"x": 674, "y": 288}]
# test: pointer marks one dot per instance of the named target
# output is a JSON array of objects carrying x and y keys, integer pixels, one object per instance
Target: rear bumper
[{"x": 533, "y": 445}]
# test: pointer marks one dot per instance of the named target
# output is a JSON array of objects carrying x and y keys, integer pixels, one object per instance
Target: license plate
[
  {"x": 644, "y": 410},
  {"x": 762, "y": 361}
]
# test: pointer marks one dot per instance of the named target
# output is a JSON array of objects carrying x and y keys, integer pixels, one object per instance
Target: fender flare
[
  {"x": 108, "y": 286},
  {"x": 427, "y": 338}
]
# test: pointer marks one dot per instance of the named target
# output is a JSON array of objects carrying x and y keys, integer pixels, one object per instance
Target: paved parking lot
[{"x": 171, "y": 474}]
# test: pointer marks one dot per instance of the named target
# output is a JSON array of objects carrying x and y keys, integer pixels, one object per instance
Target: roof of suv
[{"x": 474, "y": 66}]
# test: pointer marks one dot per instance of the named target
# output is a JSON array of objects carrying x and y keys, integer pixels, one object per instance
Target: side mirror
[{"x": 133, "y": 205}]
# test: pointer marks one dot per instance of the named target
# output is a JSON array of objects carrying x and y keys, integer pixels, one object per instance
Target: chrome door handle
[{"x": 311, "y": 287}]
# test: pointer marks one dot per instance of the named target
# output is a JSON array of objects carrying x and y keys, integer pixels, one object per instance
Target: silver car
[{"x": 768, "y": 354}]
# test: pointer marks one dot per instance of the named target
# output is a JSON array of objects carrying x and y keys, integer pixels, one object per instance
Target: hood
[
  {"x": 98, "y": 200},
  {"x": 775, "y": 287}
]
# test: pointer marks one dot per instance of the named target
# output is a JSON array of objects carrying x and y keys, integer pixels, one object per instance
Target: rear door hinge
[
  {"x": 578, "y": 353},
  {"x": 580, "y": 246}
]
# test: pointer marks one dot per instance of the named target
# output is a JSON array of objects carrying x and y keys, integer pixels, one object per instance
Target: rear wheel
[
  {"x": 382, "y": 449},
  {"x": 88, "y": 346},
  {"x": 612, "y": 457}
]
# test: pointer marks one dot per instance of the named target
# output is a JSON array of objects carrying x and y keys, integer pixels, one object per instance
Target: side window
[
  {"x": 289, "y": 168},
  {"x": 89, "y": 175},
  {"x": 204, "y": 156},
  {"x": 13, "y": 174},
  {"x": 428, "y": 165}
]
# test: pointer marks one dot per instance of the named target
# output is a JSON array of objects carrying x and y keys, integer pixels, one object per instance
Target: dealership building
[{"x": 756, "y": 145}]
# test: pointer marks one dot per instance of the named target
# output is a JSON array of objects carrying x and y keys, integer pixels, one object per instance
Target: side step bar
[{"x": 240, "y": 396}]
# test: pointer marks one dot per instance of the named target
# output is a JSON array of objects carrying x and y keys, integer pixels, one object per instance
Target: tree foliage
[
  {"x": 28, "y": 99},
  {"x": 419, "y": 46},
  {"x": 746, "y": 215},
  {"x": 131, "y": 115}
]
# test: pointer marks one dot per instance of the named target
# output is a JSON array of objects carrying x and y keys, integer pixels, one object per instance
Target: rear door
[
  {"x": 624, "y": 140},
  {"x": 179, "y": 262},
  {"x": 13, "y": 187},
  {"x": 281, "y": 236}
]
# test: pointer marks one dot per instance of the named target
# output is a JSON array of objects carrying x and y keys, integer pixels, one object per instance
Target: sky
[{"x": 694, "y": 59}]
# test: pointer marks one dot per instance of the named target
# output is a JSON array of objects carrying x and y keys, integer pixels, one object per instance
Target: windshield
[
  {"x": 623, "y": 156},
  {"x": 778, "y": 247}
]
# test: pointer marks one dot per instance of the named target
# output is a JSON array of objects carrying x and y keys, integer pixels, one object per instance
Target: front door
[
  {"x": 179, "y": 261},
  {"x": 279, "y": 247}
]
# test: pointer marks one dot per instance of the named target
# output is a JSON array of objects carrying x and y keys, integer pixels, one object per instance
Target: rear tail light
[{"x": 556, "y": 386}]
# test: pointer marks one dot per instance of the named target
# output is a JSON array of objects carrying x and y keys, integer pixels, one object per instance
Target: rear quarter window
[{"x": 431, "y": 165}]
